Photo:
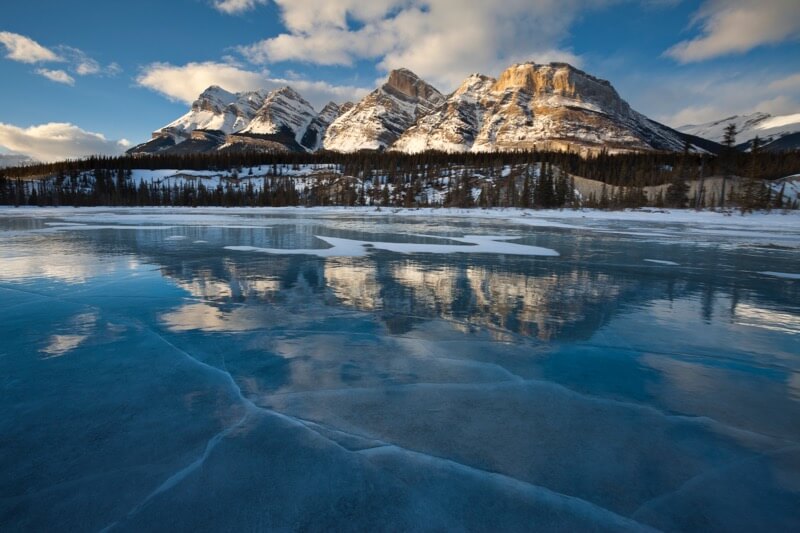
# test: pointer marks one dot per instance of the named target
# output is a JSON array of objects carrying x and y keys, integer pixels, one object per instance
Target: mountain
[
  {"x": 214, "y": 110},
  {"x": 315, "y": 132},
  {"x": 217, "y": 109},
  {"x": 776, "y": 132},
  {"x": 283, "y": 110},
  {"x": 552, "y": 106},
  {"x": 529, "y": 106},
  {"x": 383, "y": 115}
]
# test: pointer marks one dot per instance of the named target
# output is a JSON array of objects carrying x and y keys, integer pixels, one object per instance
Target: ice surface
[{"x": 364, "y": 375}]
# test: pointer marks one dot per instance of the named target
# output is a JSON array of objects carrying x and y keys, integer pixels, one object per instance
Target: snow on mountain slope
[
  {"x": 315, "y": 132},
  {"x": 283, "y": 109},
  {"x": 216, "y": 109},
  {"x": 384, "y": 114},
  {"x": 766, "y": 127},
  {"x": 536, "y": 106}
]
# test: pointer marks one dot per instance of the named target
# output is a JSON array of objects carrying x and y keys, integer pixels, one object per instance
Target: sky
[{"x": 93, "y": 76}]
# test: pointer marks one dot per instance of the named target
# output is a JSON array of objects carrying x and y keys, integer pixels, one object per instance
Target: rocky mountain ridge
[{"x": 528, "y": 106}]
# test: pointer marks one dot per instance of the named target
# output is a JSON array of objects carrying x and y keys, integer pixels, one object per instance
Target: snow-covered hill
[{"x": 766, "y": 127}]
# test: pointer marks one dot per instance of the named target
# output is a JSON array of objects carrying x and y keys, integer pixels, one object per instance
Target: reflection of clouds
[
  {"x": 61, "y": 344},
  {"x": 793, "y": 384},
  {"x": 760, "y": 317},
  {"x": 79, "y": 327},
  {"x": 207, "y": 317},
  {"x": 70, "y": 268},
  {"x": 353, "y": 282}
]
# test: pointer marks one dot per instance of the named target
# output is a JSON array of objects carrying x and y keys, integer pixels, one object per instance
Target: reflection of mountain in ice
[{"x": 156, "y": 383}]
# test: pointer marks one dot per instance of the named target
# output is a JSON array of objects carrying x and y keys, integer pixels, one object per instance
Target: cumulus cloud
[
  {"x": 737, "y": 26},
  {"x": 26, "y": 50},
  {"x": 234, "y": 7},
  {"x": 57, "y": 141},
  {"x": 441, "y": 40},
  {"x": 58, "y": 76},
  {"x": 184, "y": 83}
]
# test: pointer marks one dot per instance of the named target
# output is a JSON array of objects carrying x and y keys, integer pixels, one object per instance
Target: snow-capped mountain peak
[
  {"x": 283, "y": 110},
  {"x": 215, "y": 109},
  {"x": 383, "y": 115}
]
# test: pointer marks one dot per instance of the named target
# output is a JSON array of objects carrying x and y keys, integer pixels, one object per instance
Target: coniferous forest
[{"x": 403, "y": 180}]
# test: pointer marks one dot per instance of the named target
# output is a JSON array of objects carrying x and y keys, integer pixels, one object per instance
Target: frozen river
[{"x": 250, "y": 370}]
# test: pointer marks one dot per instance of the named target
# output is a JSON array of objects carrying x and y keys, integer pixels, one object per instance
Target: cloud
[
  {"x": 57, "y": 141},
  {"x": 441, "y": 40},
  {"x": 184, "y": 83},
  {"x": 714, "y": 95},
  {"x": 234, "y": 7},
  {"x": 737, "y": 26},
  {"x": 81, "y": 64},
  {"x": 58, "y": 76},
  {"x": 26, "y": 50}
]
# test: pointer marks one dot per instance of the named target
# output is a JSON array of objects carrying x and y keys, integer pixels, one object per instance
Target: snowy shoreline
[{"x": 775, "y": 219}]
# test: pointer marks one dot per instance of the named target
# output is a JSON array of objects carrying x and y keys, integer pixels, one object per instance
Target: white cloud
[
  {"x": 184, "y": 83},
  {"x": 440, "y": 40},
  {"x": 737, "y": 26},
  {"x": 58, "y": 76},
  {"x": 26, "y": 50},
  {"x": 234, "y": 7},
  {"x": 57, "y": 141},
  {"x": 714, "y": 95}
]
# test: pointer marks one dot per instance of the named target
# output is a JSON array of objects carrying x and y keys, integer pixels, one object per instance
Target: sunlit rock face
[{"x": 553, "y": 106}]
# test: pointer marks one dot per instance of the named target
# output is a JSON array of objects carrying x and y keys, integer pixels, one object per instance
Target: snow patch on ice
[
  {"x": 476, "y": 244},
  {"x": 662, "y": 262},
  {"x": 784, "y": 275}
]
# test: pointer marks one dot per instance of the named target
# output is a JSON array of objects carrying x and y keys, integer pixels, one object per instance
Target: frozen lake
[{"x": 297, "y": 369}]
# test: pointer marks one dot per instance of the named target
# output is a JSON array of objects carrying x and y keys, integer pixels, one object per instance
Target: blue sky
[{"x": 87, "y": 76}]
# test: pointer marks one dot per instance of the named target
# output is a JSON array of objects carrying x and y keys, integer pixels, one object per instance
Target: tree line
[{"x": 406, "y": 180}]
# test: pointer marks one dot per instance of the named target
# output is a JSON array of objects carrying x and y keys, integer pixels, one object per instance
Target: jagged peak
[{"x": 411, "y": 85}]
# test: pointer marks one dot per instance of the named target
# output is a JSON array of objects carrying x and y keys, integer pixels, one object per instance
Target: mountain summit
[
  {"x": 383, "y": 115},
  {"x": 529, "y": 106}
]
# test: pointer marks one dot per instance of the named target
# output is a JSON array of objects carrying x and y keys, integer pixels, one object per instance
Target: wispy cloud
[
  {"x": 698, "y": 97},
  {"x": 56, "y": 141},
  {"x": 26, "y": 50},
  {"x": 58, "y": 76},
  {"x": 738, "y": 26},
  {"x": 185, "y": 82},
  {"x": 234, "y": 7}
]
